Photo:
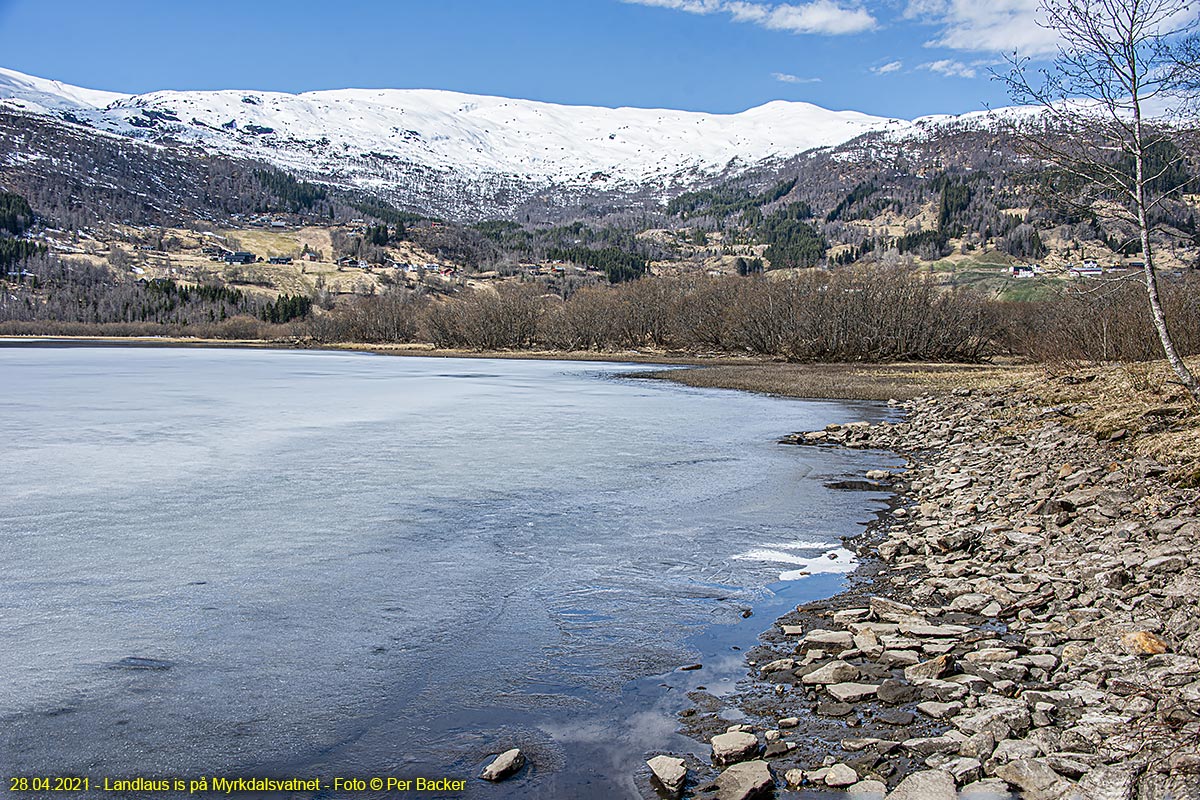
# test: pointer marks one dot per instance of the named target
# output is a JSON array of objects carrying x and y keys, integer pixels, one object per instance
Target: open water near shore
[{"x": 288, "y": 563}]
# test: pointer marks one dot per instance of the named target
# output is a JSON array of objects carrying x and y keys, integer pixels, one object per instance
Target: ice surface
[{"x": 237, "y": 559}]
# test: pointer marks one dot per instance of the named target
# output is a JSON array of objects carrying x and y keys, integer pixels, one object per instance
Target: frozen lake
[{"x": 307, "y": 563}]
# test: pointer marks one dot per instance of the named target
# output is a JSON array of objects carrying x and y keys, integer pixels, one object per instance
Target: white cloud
[
  {"x": 884, "y": 69},
  {"x": 784, "y": 77},
  {"x": 817, "y": 16},
  {"x": 949, "y": 68},
  {"x": 1004, "y": 25},
  {"x": 820, "y": 16},
  {"x": 925, "y": 9},
  {"x": 690, "y": 6}
]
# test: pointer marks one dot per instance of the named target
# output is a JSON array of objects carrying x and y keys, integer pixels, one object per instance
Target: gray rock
[
  {"x": 867, "y": 790},
  {"x": 858, "y": 745},
  {"x": 997, "y": 721},
  {"x": 824, "y": 638},
  {"x": 894, "y": 692},
  {"x": 840, "y": 775},
  {"x": 779, "y": 665},
  {"x": 978, "y": 745},
  {"x": 734, "y": 746},
  {"x": 503, "y": 765},
  {"x": 1035, "y": 780},
  {"x": 849, "y": 615},
  {"x": 942, "y": 690},
  {"x": 833, "y": 672},
  {"x": 929, "y": 785},
  {"x": 932, "y": 708},
  {"x": 895, "y": 717},
  {"x": 669, "y": 771},
  {"x": 1164, "y": 564},
  {"x": 892, "y": 611},
  {"x": 777, "y": 749},
  {"x": 744, "y": 781},
  {"x": 1107, "y": 782},
  {"x": 963, "y": 770},
  {"x": 900, "y": 658},
  {"x": 1067, "y": 765},
  {"x": 851, "y": 692},
  {"x": 989, "y": 655},
  {"x": 832, "y": 708},
  {"x": 933, "y": 668},
  {"x": 927, "y": 746},
  {"x": 986, "y": 789},
  {"x": 970, "y": 602},
  {"x": 934, "y": 631},
  {"x": 1015, "y": 750}
]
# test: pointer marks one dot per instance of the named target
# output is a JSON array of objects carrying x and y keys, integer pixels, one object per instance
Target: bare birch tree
[{"x": 1116, "y": 60}]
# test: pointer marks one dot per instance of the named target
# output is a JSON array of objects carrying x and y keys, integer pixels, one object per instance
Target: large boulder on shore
[{"x": 745, "y": 781}]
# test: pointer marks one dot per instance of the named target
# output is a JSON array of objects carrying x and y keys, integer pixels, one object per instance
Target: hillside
[{"x": 125, "y": 218}]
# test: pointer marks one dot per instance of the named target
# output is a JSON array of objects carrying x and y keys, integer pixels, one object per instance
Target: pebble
[{"x": 503, "y": 765}]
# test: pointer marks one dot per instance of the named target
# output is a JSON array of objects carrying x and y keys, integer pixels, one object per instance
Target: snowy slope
[
  {"x": 47, "y": 95},
  {"x": 455, "y": 153},
  {"x": 470, "y": 134}
]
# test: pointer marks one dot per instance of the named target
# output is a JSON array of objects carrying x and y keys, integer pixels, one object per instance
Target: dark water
[{"x": 292, "y": 563}]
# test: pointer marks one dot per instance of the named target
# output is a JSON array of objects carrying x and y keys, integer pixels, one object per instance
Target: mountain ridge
[{"x": 461, "y": 154}]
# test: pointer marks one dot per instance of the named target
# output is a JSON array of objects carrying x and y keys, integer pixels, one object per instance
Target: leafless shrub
[
  {"x": 1106, "y": 323},
  {"x": 506, "y": 317},
  {"x": 394, "y": 316},
  {"x": 590, "y": 320}
]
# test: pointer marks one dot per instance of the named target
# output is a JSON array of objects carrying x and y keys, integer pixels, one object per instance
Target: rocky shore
[{"x": 1025, "y": 620}]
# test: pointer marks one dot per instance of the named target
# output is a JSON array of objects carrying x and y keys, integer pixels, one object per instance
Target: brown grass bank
[{"x": 846, "y": 381}]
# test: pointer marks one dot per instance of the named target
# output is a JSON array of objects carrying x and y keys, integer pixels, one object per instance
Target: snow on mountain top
[
  {"x": 53, "y": 94},
  {"x": 432, "y": 144},
  {"x": 453, "y": 131}
]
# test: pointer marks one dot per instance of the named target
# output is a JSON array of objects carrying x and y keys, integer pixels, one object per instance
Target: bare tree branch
[{"x": 1114, "y": 56}]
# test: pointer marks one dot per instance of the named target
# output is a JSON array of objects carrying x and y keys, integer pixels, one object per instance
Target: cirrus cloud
[
  {"x": 784, "y": 77},
  {"x": 950, "y": 68},
  {"x": 818, "y": 16}
]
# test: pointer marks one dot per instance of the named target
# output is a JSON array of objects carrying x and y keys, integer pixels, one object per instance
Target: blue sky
[{"x": 890, "y": 57}]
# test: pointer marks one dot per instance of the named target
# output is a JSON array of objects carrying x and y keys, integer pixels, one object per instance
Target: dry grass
[
  {"x": 847, "y": 381},
  {"x": 1141, "y": 403}
]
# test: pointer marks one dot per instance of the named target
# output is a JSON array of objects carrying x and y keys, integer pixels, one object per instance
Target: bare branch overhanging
[{"x": 1113, "y": 57}]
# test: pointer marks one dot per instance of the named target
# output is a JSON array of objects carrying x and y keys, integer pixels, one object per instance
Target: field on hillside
[{"x": 179, "y": 254}]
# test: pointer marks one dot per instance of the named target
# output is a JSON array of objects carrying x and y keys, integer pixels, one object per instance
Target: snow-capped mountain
[{"x": 428, "y": 145}]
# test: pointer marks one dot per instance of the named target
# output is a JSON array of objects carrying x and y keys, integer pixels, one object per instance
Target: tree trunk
[
  {"x": 1160, "y": 324},
  {"x": 1149, "y": 273}
]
